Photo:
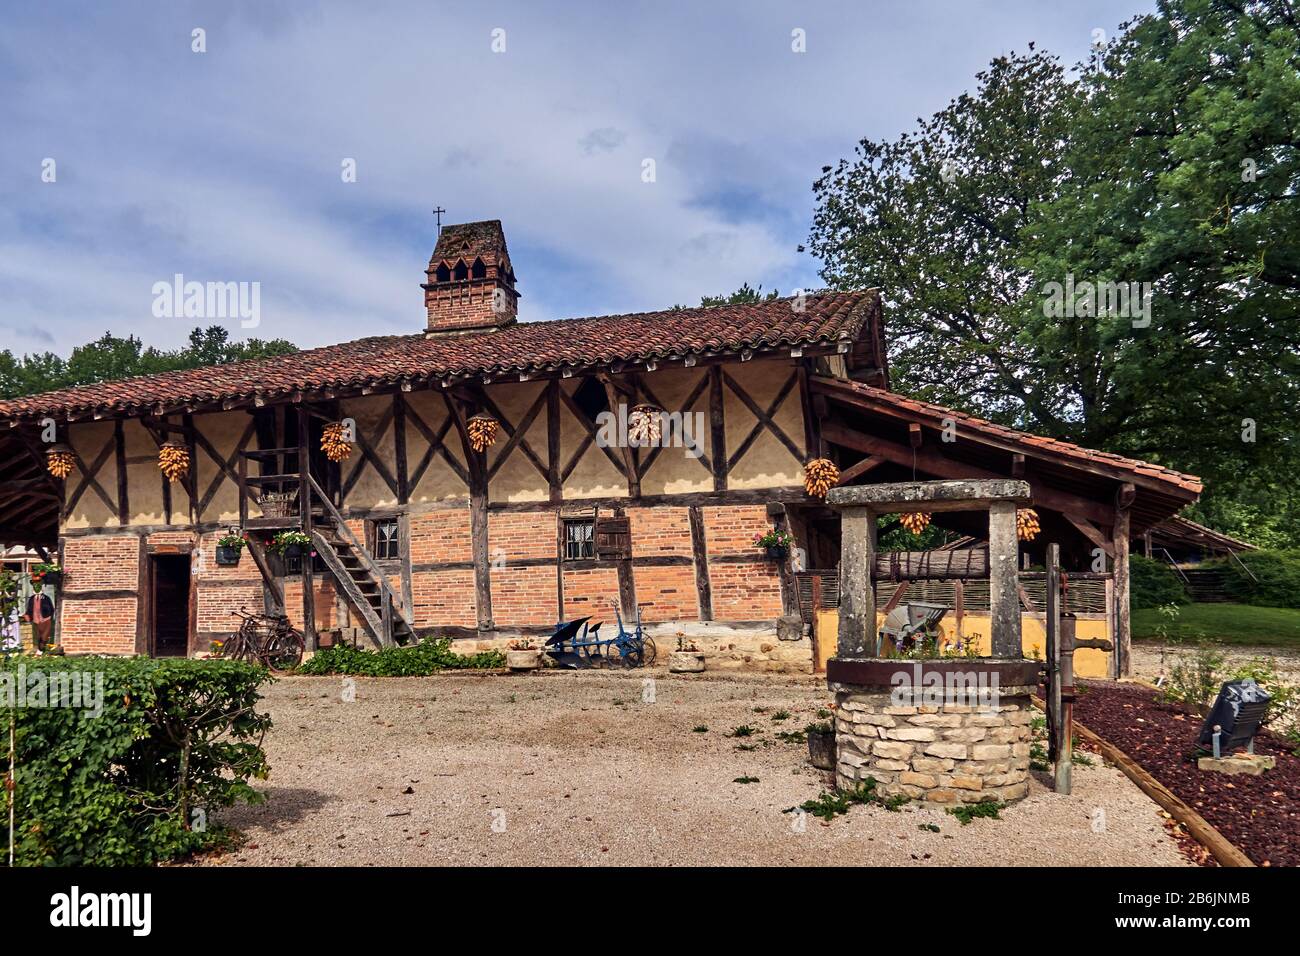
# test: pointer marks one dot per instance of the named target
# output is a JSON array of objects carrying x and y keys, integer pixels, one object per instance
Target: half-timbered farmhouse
[{"x": 561, "y": 515}]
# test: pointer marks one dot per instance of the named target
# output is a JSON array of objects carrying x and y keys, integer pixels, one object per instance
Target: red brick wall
[
  {"x": 742, "y": 590},
  {"x": 444, "y": 598},
  {"x": 100, "y": 625},
  {"x": 441, "y": 535},
  {"x": 666, "y": 593},
  {"x": 522, "y": 595},
  {"x": 590, "y": 591}
]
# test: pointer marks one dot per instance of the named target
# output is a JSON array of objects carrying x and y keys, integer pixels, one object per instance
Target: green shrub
[
  {"x": 130, "y": 775},
  {"x": 1276, "y": 581},
  {"x": 1153, "y": 583},
  {"x": 416, "y": 660}
]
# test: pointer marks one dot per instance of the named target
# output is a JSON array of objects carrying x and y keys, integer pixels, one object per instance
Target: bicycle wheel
[
  {"x": 648, "y": 651},
  {"x": 283, "y": 649}
]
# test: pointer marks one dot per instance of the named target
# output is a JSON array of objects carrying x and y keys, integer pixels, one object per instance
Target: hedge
[
  {"x": 1153, "y": 584},
  {"x": 1278, "y": 574},
  {"x": 133, "y": 780},
  {"x": 416, "y": 660}
]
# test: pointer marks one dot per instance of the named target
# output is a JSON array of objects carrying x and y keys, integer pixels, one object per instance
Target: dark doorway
[{"x": 171, "y": 605}]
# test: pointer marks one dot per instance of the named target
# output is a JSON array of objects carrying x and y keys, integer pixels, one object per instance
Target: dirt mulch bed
[{"x": 1261, "y": 815}]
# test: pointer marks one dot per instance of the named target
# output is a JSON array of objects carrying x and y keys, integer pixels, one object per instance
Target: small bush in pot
[
  {"x": 291, "y": 544},
  {"x": 776, "y": 542},
  {"x": 229, "y": 548},
  {"x": 523, "y": 655},
  {"x": 43, "y": 574},
  {"x": 687, "y": 659}
]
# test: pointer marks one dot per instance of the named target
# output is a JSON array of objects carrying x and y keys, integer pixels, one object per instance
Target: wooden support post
[
  {"x": 1123, "y": 635},
  {"x": 553, "y": 463},
  {"x": 123, "y": 501},
  {"x": 1004, "y": 597},
  {"x": 717, "y": 429},
  {"x": 478, "y": 516},
  {"x": 700, "y": 555},
  {"x": 399, "y": 447},
  {"x": 959, "y": 607},
  {"x": 304, "y": 511},
  {"x": 1057, "y": 749},
  {"x": 857, "y": 631}
]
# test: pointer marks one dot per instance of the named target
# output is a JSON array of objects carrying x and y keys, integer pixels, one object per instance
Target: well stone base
[{"x": 942, "y": 752}]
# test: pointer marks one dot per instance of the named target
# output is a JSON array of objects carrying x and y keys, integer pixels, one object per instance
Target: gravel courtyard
[{"x": 576, "y": 768}]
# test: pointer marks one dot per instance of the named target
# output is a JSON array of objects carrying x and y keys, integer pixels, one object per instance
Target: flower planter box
[
  {"x": 293, "y": 551},
  {"x": 227, "y": 556},
  {"x": 686, "y": 662},
  {"x": 52, "y": 578},
  {"x": 777, "y": 552},
  {"x": 525, "y": 660}
]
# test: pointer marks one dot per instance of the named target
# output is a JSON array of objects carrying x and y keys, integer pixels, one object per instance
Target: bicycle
[{"x": 267, "y": 639}]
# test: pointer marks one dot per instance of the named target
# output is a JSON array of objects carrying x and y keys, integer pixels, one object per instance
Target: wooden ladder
[{"x": 364, "y": 584}]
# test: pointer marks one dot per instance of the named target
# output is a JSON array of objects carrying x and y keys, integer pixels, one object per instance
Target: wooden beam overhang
[{"x": 934, "y": 462}]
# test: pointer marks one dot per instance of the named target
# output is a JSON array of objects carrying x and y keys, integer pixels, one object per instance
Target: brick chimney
[{"x": 471, "y": 286}]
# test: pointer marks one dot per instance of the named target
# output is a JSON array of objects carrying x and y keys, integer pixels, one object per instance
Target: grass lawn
[{"x": 1226, "y": 624}]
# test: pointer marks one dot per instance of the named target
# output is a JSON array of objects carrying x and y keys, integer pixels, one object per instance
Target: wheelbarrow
[
  {"x": 908, "y": 623},
  {"x": 577, "y": 644}
]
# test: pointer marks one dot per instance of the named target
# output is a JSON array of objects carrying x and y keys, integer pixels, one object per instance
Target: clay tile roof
[
  {"x": 914, "y": 409},
  {"x": 469, "y": 239},
  {"x": 525, "y": 347}
]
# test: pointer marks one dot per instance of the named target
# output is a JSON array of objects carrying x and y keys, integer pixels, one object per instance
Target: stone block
[
  {"x": 895, "y": 765},
  {"x": 918, "y": 779},
  {"x": 932, "y": 764},
  {"x": 942, "y": 795},
  {"x": 968, "y": 735},
  {"x": 910, "y": 733},
  {"x": 990, "y": 751},
  {"x": 963, "y": 782},
  {"x": 1251, "y": 764},
  {"x": 893, "y": 750},
  {"x": 936, "y": 720},
  {"x": 951, "y": 750}
]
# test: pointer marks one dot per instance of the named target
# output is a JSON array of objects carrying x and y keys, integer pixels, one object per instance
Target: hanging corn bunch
[
  {"x": 482, "y": 430},
  {"x": 914, "y": 521},
  {"x": 645, "y": 425},
  {"x": 334, "y": 444},
  {"x": 59, "y": 461},
  {"x": 1027, "y": 524},
  {"x": 174, "y": 460},
  {"x": 819, "y": 476}
]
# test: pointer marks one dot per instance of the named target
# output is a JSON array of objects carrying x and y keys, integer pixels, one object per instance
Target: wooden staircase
[{"x": 384, "y": 616}]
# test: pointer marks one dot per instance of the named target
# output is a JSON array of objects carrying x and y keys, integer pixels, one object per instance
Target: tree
[
  {"x": 934, "y": 219},
  {"x": 1168, "y": 169},
  {"x": 110, "y": 357}
]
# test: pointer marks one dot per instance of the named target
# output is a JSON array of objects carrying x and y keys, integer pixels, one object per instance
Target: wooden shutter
[{"x": 613, "y": 539}]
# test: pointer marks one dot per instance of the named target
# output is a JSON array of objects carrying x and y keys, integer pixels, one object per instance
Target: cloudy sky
[{"x": 227, "y": 165}]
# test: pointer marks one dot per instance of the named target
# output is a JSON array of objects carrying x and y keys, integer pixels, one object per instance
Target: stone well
[{"x": 947, "y": 731}]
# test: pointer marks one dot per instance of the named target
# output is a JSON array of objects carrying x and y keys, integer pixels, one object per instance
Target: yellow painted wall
[
  {"x": 766, "y": 464},
  {"x": 1088, "y": 662}
]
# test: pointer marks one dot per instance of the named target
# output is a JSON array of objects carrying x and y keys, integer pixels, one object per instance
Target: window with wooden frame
[
  {"x": 579, "y": 539},
  {"x": 385, "y": 539}
]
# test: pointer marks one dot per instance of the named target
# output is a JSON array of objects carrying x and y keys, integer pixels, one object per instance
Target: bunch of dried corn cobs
[
  {"x": 59, "y": 461},
  {"x": 1027, "y": 524},
  {"x": 482, "y": 430},
  {"x": 915, "y": 521},
  {"x": 645, "y": 425},
  {"x": 334, "y": 443},
  {"x": 174, "y": 460},
  {"x": 819, "y": 476}
]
